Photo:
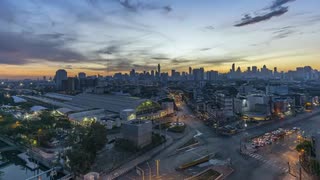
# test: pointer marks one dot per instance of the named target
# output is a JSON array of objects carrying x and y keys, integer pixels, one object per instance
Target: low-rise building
[{"x": 139, "y": 132}]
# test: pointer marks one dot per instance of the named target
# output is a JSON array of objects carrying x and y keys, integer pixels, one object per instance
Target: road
[{"x": 226, "y": 147}]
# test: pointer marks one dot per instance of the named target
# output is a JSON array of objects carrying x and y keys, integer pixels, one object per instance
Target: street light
[
  {"x": 140, "y": 170},
  {"x": 158, "y": 164}
]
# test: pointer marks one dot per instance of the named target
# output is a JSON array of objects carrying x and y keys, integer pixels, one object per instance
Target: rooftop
[{"x": 112, "y": 103}]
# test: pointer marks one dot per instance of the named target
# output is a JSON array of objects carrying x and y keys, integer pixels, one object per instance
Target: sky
[{"x": 37, "y": 37}]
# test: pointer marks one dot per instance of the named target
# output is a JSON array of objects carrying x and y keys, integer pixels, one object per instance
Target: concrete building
[
  {"x": 226, "y": 104},
  {"x": 138, "y": 132},
  {"x": 277, "y": 89},
  {"x": 212, "y": 75},
  {"x": 61, "y": 75},
  {"x": 198, "y": 74},
  {"x": 258, "y": 103},
  {"x": 128, "y": 115},
  {"x": 82, "y": 75}
]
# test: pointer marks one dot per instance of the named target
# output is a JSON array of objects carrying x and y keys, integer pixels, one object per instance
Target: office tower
[
  {"x": 233, "y": 68},
  {"x": 212, "y": 75},
  {"x": 254, "y": 69},
  {"x": 198, "y": 74},
  {"x": 190, "y": 70},
  {"x": 82, "y": 75},
  {"x": 239, "y": 70},
  {"x": 159, "y": 70},
  {"x": 275, "y": 70},
  {"x": 173, "y": 72},
  {"x": 152, "y": 73},
  {"x": 132, "y": 73},
  {"x": 249, "y": 69},
  {"x": 60, "y": 76}
]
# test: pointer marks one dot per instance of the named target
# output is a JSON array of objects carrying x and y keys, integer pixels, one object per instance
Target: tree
[
  {"x": 305, "y": 146},
  {"x": 79, "y": 160},
  {"x": 95, "y": 139},
  {"x": 86, "y": 142}
]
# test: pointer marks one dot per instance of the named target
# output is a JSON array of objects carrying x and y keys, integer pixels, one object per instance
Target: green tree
[
  {"x": 87, "y": 141},
  {"x": 305, "y": 146},
  {"x": 79, "y": 160}
]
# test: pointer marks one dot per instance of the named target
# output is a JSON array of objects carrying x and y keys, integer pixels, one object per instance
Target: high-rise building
[
  {"x": 60, "y": 76},
  {"x": 82, "y": 75},
  {"x": 190, "y": 70},
  {"x": 159, "y": 70},
  {"x": 198, "y": 74},
  {"x": 133, "y": 73},
  {"x": 233, "y": 67},
  {"x": 239, "y": 70},
  {"x": 212, "y": 75},
  {"x": 173, "y": 72},
  {"x": 152, "y": 73},
  {"x": 254, "y": 69}
]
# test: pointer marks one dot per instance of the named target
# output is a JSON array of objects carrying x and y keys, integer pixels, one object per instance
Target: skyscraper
[
  {"x": 173, "y": 72},
  {"x": 190, "y": 70},
  {"x": 60, "y": 76},
  {"x": 82, "y": 75},
  {"x": 233, "y": 67},
  {"x": 198, "y": 74},
  {"x": 133, "y": 73},
  {"x": 159, "y": 70},
  {"x": 275, "y": 70},
  {"x": 254, "y": 69}
]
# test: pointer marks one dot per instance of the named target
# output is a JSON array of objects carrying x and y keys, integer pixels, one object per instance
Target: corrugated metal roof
[{"x": 113, "y": 103}]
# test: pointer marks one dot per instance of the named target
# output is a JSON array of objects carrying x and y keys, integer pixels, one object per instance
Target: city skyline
[
  {"x": 186, "y": 70},
  {"x": 104, "y": 37}
]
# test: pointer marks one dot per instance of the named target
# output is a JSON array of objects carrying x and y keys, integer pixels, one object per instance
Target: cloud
[
  {"x": 109, "y": 50},
  {"x": 278, "y": 3},
  {"x": 205, "y": 49},
  {"x": 274, "y": 10},
  {"x": 283, "y": 33},
  {"x": 247, "y": 20},
  {"x": 67, "y": 66},
  {"x": 209, "y": 28},
  {"x": 20, "y": 48},
  {"x": 137, "y": 5},
  {"x": 120, "y": 65}
]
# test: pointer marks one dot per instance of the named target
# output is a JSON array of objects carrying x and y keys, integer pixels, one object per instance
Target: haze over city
[{"x": 103, "y": 37}]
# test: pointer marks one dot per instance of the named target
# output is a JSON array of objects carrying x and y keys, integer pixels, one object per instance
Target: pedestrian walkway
[{"x": 269, "y": 163}]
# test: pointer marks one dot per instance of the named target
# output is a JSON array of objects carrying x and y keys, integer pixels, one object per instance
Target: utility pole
[
  {"x": 300, "y": 173},
  {"x": 158, "y": 164},
  {"x": 150, "y": 173}
]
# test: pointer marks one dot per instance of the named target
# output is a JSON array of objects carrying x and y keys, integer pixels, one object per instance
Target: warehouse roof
[{"x": 113, "y": 103}]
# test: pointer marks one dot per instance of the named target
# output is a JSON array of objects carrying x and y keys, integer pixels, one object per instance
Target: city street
[{"x": 245, "y": 167}]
